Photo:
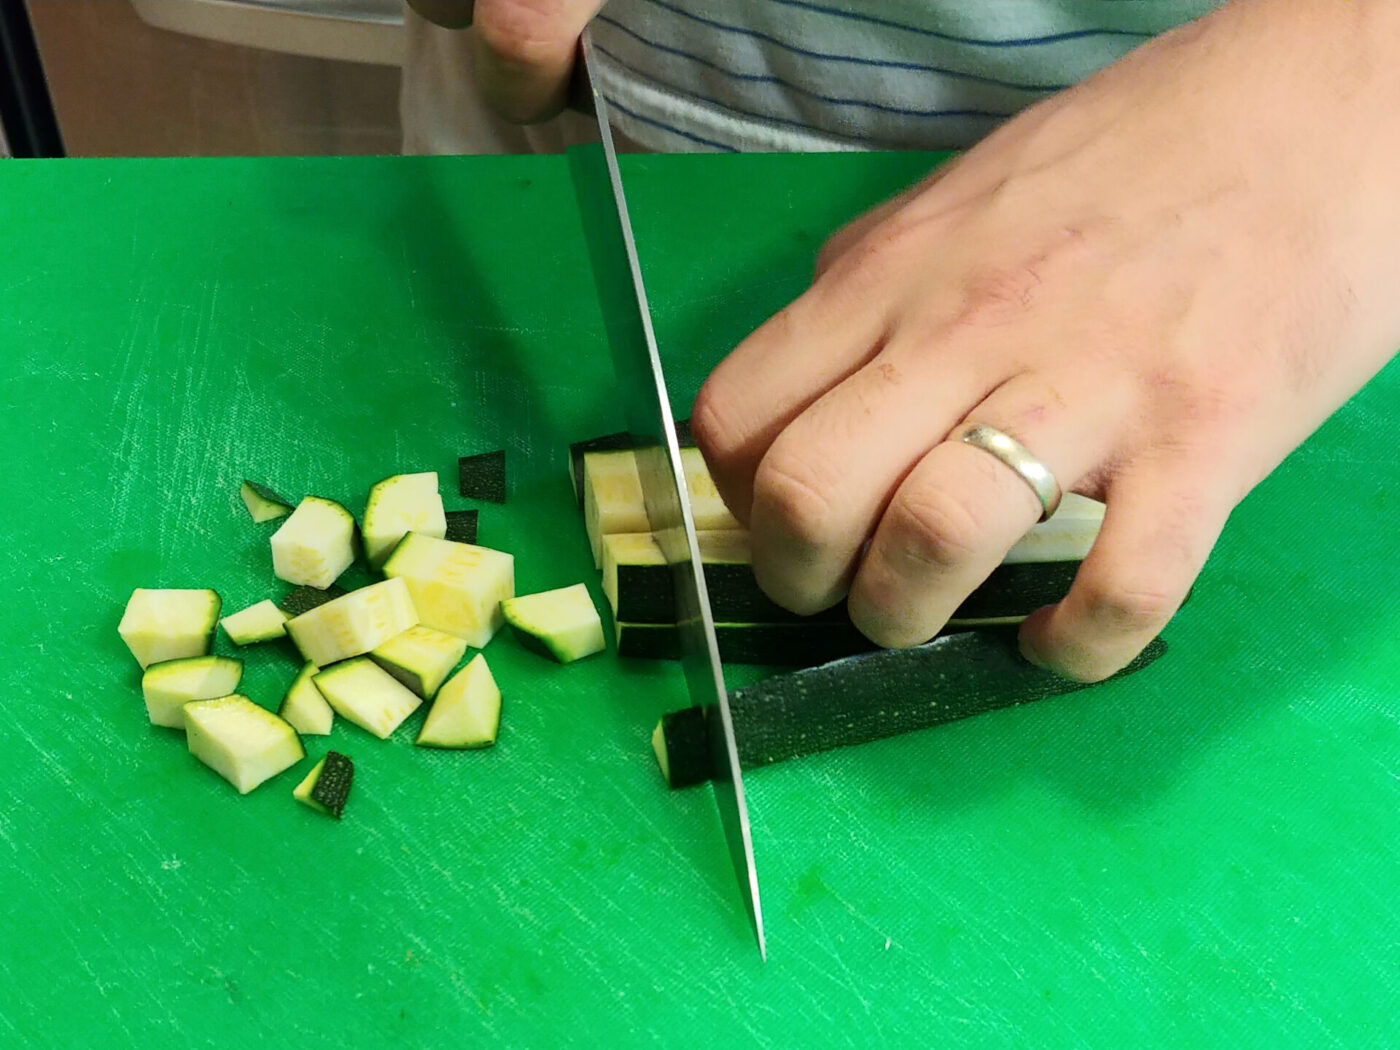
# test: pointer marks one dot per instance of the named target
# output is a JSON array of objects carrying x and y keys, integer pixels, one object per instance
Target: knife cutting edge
[{"x": 627, "y": 317}]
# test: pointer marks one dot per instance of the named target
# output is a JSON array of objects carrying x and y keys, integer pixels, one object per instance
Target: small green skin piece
[
  {"x": 263, "y": 504},
  {"x": 483, "y": 476},
  {"x": 327, "y": 787},
  {"x": 461, "y": 526}
]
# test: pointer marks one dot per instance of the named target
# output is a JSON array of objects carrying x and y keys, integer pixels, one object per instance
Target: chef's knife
[{"x": 642, "y": 385}]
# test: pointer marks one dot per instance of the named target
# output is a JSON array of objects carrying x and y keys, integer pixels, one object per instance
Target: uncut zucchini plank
[
  {"x": 778, "y": 644},
  {"x": 869, "y": 697},
  {"x": 646, "y": 594}
]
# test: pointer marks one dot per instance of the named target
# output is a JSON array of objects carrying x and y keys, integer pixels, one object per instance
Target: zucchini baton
[{"x": 868, "y": 697}]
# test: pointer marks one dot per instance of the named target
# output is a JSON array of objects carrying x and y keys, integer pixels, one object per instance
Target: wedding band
[{"x": 1016, "y": 456}]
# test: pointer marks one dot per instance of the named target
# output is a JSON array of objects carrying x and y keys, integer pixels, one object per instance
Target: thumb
[{"x": 525, "y": 52}]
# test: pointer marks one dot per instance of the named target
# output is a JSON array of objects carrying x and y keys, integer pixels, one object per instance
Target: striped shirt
[{"x": 817, "y": 75}]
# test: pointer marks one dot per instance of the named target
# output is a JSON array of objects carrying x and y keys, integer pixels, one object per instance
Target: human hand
[
  {"x": 524, "y": 50},
  {"x": 1160, "y": 282}
]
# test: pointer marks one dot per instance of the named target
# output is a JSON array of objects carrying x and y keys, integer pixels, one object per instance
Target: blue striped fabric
[{"x": 829, "y": 75}]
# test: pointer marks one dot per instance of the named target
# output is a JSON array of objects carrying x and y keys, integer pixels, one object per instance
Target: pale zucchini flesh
[
  {"x": 364, "y": 693},
  {"x": 304, "y": 708},
  {"x": 467, "y": 711},
  {"x": 456, "y": 588},
  {"x": 400, "y": 504},
  {"x": 354, "y": 623},
  {"x": 315, "y": 544},
  {"x": 260, "y": 622},
  {"x": 167, "y": 687},
  {"x": 612, "y": 497},
  {"x": 563, "y": 623},
  {"x": 242, "y": 742},
  {"x": 421, "y": 658},
  {"x": 169, "y": 624},
  {"x": 706, "y": 505}
]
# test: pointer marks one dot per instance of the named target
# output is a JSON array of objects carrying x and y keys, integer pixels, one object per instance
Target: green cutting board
[{"x": 1206, "y": 854}]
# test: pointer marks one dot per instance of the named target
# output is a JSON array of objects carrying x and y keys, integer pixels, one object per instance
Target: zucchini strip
[{"x": 868, "y": 697}]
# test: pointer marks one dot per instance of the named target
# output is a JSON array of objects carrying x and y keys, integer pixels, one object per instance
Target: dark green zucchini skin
[
  {"x": 687, "y": 748},
  {"x": 611, "y": 443},
  {"x": 303, "y": 599},
  {"x": 461, "y": 526},
  {"x": 881, "y": 694},
  {"x": 483, "y": 476},
  {"x": 332, "y": 787},
  {"x": 646, "y": 594}
]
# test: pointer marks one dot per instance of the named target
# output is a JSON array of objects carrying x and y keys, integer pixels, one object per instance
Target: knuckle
[
  {"x": 717, "y": 437},
  {"x": 795, "y": 497},
  {"x": 934, "y": 528},
  {"x": 1130, "y": 608}
]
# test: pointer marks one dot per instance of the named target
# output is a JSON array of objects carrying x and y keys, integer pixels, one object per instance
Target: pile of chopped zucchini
[{"x": 372, "y": 655}]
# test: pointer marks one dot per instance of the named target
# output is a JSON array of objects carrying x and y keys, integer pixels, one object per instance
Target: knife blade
[{"x": 627, "y": 317}]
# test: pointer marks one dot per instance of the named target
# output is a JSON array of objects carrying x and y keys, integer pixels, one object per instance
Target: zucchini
[
  {"x": 257, "y": 623},
  {"x": 1067, "y": 536},
  {"x": 706, "y": 506},
  {"x": 467, "y": 711},
  {"x": 354, "y": 623},
  {"x": 327, "y": 787},
  {"x": 167, "y": 687},
  {"x": 366, "y": 694},
  {"x": 611, "y": 443},
  {"x": 483, "y": 476},
  {"x": 242, "y": 742},
  {"x": 562, "y": 623},
  {"x": 303, "y": 599},
  {"x": 612, "y": 498},
  {"x": 400, "y": 504},
  {"x": 421, "y": 658},
  {"x": 169, "y": 624},
  {"x": 304, "y": 708},
  {"x": 863, "y": 698},
  {"x": 455, "y": 587},
  {"x": 263, "y": 504},
  {"x": 461, "y": 526},
  {"x": 643, "y": 592},
  {"x": 315, "y": 544}
]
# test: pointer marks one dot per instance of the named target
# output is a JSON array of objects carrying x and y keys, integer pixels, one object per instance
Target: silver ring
[{"x": 1016, "y": 456}]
